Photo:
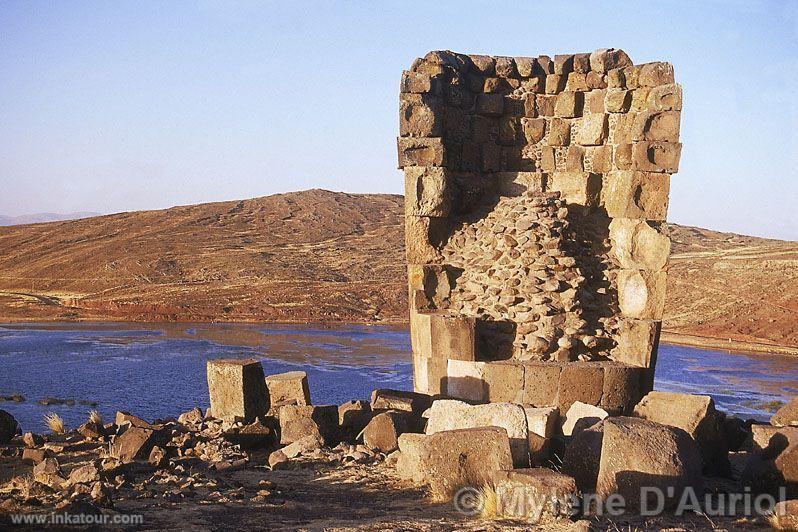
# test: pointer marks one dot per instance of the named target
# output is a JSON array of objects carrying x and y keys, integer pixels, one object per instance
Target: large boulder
[
  {"x": 773, "y": 460},
  {"x": 135, "y": 443},
  {"x": 696, "y": 415},
  {"x": 450, "y": 414},
  {"x": 298, "y": 421},
  {"x": 787, "y": 415},
  {"x": 638, "y": 455},
  {"x": 454, "y": 459},
  {"x": 8, "y": 427},
  {"x": 535, "y": 494},
  {"x": 582, "y": 457},
  {"x": 383, "y": 431}
]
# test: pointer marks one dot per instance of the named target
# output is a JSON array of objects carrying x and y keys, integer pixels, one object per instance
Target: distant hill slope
[
  {"x": 326, "y": 256},
  {"x": 42, "y": 217}
]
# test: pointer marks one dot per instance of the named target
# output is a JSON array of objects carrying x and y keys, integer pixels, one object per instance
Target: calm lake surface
[{"x": 156, "y": 370}]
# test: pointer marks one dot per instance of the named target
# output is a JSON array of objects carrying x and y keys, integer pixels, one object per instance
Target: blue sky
[{"x": 114, "y": 106}]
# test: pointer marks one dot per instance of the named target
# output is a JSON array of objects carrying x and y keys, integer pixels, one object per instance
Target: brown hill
[{"x": 324, "y": 256}]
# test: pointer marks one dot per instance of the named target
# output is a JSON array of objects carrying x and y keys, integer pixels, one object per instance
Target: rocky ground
[
  {"x": 320, "y": 256},
  {"x": 201, "y": 473}
]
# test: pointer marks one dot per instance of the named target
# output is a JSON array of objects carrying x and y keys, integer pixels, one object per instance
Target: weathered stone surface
[
  {"x": 636, "y": 342},
  {"x": 637, "y": 244},
  {"x": 427, "y": 191},
  {"x": 541, "y": 383},
  {"x": 656, "y": 156},
  {"x": 581, "y": 416},
  {"x": 617, "y": 100},
  {"x": 569, "y": 104},
  {"x": 408, "y": 465},
  {"x": 237, "y": 389},
  {"x": 443, "y": 335},
  {"x": 423, "y": 238},
  {"x": 383, "y": 431},
  {"x": 452, "y": 459},
  {"x": 608, "y": 59},
  {"x": 785, "y": 515},
  {"x": 654, "y": 74},
  {"x": 490, "y": 104},
  {"x": 787, "y": 415},
  {"x": 534, "y": 129},
  {"x": 582, "y": 382},
  {"x": 420, "y": 151},
  {"x": 582, "y": 457},
  {"x": 593, "y": 131},
  {"x": 535, "y": 494},
  {"x": 85, "y": 474},
  {"x": 696, "y": 415},
  {"x": 297, "y": 422},
  {"x": 419, "y": 115},
  {"x": 449, "y": 414},
  {"x": 582, "y": 188},
  {"x": 123, "y": 418},
  {"x": 135, "y": 443},
  {"x": 624, "y": 386},
  {"x": 384, "y": 399},
  {"x": 638, "y": 453},
  {"x": 773, "y": 463},
  {"x": 288, "y": 388},
  {"x": 48, "y": 472},
  {"x": 629, "y": 194},
  {"x": 418, "y": 83},
  {"x": 641, "y": 294},
  {"x": 353, "y": 418},
  {"x": 504, "y": 381},
  {"x": 8, "y": 427},
  {"x": 665, "y": 98},
  {"x": 303, "y": 445},
  {"x": 35, "y": 456},
  {"x": 465, "y": 380}
]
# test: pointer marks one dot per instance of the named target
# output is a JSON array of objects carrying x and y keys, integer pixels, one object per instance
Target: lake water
[{"x": 156, "y": 370}]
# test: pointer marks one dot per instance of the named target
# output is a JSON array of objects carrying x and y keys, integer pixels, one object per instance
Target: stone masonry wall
[{"x": 536, "y": 191}]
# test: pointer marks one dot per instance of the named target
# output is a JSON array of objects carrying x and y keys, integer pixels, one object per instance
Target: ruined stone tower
[{"x": 536, "y": 193}]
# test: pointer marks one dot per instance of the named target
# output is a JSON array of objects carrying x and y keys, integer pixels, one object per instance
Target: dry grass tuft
[
  {"x": 96, "y": 418},
  {"x": 489, "y": 502},
  {"x": 55, "y": 423}
]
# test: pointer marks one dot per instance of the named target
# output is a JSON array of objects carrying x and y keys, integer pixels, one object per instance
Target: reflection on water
[{"x": 158, "y": 370}]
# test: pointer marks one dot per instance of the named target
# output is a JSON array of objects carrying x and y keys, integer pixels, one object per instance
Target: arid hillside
[{"x": 325, "y": 256}]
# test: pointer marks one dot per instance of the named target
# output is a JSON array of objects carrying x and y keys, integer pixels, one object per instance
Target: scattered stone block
[
  {"x": 48, "y": 472},
  {"x": 582, "y": 457},
  {"x": 581, "y": 416},
  {"x": 126, "y": 418},
  {"x": 320, "y": 422},
  {"x": 85, "y": 474},
  {"x": 772, "y": 464},
  {"x": 637, "y": 453},
  {"x": 447, "y": 414},
  {"x": 237, "y": 389},
  {"x": 35, "y": 456},
  {"x": 787, "y": 415},
  {"x": 408, "y": 465},
  {"x": 383, "y": 431},
  {"x": 158, "y": 457},
  {"x": 353, "y": 418},
  {"x": 535, "y": 495},
  {"x": 135, "y": 443},
  {"x": 385, "y": 399},
  {"x": 467, "y": 457},
  {"x": 696, "y": 415},
  {"x": 288, "y": 388}
]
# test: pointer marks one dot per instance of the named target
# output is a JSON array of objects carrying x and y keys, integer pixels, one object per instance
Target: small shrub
[
  {"x": 96, "y": 418},
  {"x": 55, "y": 423}
]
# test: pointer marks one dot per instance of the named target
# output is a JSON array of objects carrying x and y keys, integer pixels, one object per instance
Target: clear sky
[{"x": 115, "y": 106}]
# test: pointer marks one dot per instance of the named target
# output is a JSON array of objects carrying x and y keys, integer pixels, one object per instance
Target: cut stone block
[
  {"x": 696, "y": 415},
  {"x": 408, "y": 465},
  {"x": 624, "y": 386},
  {"x": 638, "y": 245},
  {"x": 466, "y": 380},
  {"x": 423, "y": 239},
  {"x": 581, "y": 188},
  {"x": 593, "y": 130},
  {"x": 427, "y": 191},
  {"x": 135, "y": 443},
  {"x": 569, "y": 104},
  {"x": 630, "y": 194},
  {"x": 535, "y": 495},
  {"x": 656, "y": 156},
  {"x": 617, "y": 100},
  {"x": 637, "y": 342},
  {"x": 559, "y": 132},
  {"x": 353, "y": 418},
  {"x": 665, "y": 98},
  {"x": 467, "y": 457},
  {"x": 607, "y": 59},
  {"x": 419, "y": 115},
  {"x": 490, "y": 104},
  {"x": 657, "y": 126},
  {"x": 297, "y": 422},
  {"x": 637, "y": 454},
  {"x": 400, "y": 400},
  {"x": 447, "y": 414},
  {"x": 504, "y": 381},
  {"x": 582, "y": 457},
  {"x": 581, "y": 416},
  {"x": 420, "y": 151},
  {"x": 541, "y": 383},
  {"x": 237, "y": 389},
  {"x": 517, "y": 183},
  {"x": 443, "y": 335},
  {"x": 383, "y": 431},
  {"x": 654, "y": 74},
  {"x": 641, "y": 294},
  {"x": 288, "y": 388},
  {"x": 418, "y": 83},
  {"x": 534, "y": 129},
  {"x": 580, "y": 381},
  {"x": 429, "y": 374}
]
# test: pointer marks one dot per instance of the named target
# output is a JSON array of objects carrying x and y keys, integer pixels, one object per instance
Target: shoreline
[{"x": 666, "y": 337}]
